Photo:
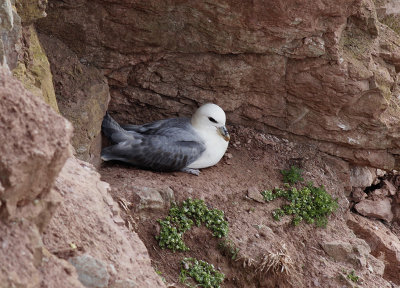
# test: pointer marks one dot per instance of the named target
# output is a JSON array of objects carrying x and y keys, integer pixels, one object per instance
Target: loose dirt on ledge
[{"x": 253, "y": 159}]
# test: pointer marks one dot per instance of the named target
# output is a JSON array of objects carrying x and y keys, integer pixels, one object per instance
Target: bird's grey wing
[
  {"x": 156, "y": 152},
  {"x": 158, "y": 126}
]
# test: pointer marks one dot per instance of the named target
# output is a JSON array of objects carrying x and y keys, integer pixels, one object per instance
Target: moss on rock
[
  {"x": 34, "y": 70},
  {"x": 31, "y": 10}
]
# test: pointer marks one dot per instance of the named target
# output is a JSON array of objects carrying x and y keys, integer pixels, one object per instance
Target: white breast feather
[{"x": 215, "y": 149}]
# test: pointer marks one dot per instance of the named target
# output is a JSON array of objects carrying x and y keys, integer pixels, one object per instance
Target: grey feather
[{"x": 165, "y": 145}]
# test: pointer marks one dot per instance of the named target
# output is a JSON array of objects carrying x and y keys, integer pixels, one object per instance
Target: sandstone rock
[
  {"x": 379, "y": 209},
  {"x": 82, "y": 97},
  {"x": 86, "y": 220},
  {"x": 337, "y": 250},
  {"x": 31, "y": 10},
  {"x": 19, "y": 253},
  {"x": 33, "y": 69},
  {"x": 347, "y": 252},
  {"x": 322, "y": 73},
  {"x": 57, "y": 272},
  {"x": 358, "y": 194},
  {"x": 361, "y": 177},
  {"x": 151, "y": 198},
  {"x": 7, "y": 18},
  {"x": 361, "y": 252},
  {"x": 118, "y": 220},
  {"x": 10, "y": 33},
  {"x": 27, "y": 264},
  {"x": 396, "y": 181},
  {"x": 167, "y": 194},
  {"x": 21, "y": 50},
  {"x": 92, "y": 272},
  {"x": 388, "y": 14},
  {"x": 35, "y": 147},
  {"x": 396, "y": 213},
  {"x": 389, "y": 187},
  {"x": 33, "y": 153},
  {"x": 379, "y": 193},
  {"x": 375, "y": 265},
  {"x": 382, "y": 241},
  {"x": 254, "y": 193},
  {"x": 380, "y": 173},
  {"x": 127, "y": 283}
]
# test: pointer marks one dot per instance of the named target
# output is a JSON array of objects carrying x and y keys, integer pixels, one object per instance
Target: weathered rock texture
[
  {"x": 10, "y": 30},
  {"x": 33, "y": 150},
  {"x": 20, "y": 49},
  {"x": 31, "y": 10},
  {"x": 380, "y": 209},
  {"x": 33, "y": 68},
  {"x": 318, "y": 71},
  {"x": 87, "y": 220},
  {"x": 82, "y": 95},
  {"x": 384, "y": 244}
]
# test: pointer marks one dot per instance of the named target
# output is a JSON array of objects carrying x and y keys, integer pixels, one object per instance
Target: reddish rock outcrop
[
  {"x": 82, "y": 96},
  {"x": 88, "y": 219},
  {"x": 316, "y": 71},
  {"x": 379, "y": 209},
  {"x": 383, "y": 243},
  {"x": 33, "y": 150}
]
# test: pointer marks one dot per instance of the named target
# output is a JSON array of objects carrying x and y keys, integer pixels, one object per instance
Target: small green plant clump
[
  {"x": 292, "y": 176},
  {"x": 309, "y": 203},
  {"x": 201, "y": 272},
  {"x": 182, "y": 218},
  {"x": 170, "y": 237},
  {"x": 352, "y": 277}
]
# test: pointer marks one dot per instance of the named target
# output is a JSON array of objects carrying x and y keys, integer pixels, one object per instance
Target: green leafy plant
[
  {"x": 292, "y": 176},
  {"x": 309, "y": 203},
  {"x": 352, "y": 276},
  {"x": 170, "y": 237},
  {"x": 201, "y": 272},
  {"x": 182, "y": 218},
  {"x": 215, "y": 221},
  {"x": 195, "y": 209}
]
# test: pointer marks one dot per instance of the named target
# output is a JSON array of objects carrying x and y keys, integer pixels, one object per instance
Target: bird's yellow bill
[{"x": 224, "y": 133}]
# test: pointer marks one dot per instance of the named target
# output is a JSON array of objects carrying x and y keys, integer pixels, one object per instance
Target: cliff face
[
  {"x": 40, "y": 189},
  {"x": 32, "y": 154},
  {"x": 53, "y": 209},
  {"x": 75, "y": 89},
  {"x": 320, "y": 71},
  {"x": 20, "y": 49}
]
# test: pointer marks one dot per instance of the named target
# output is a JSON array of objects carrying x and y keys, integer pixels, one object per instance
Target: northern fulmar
[{"x": 176, "y": 144}]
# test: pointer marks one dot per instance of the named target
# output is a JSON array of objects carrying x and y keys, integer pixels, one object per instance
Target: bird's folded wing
[
  {"x": 158, "y": 127},
  {"x": 156, "y": 152}
]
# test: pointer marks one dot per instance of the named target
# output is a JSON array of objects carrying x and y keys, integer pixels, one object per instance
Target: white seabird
[{"x": 176, "y": 144}]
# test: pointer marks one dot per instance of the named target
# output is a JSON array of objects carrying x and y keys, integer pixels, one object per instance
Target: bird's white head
[{"x": 211, "y": 116}]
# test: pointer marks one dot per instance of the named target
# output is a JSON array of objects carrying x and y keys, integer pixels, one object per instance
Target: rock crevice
[{"x": 318, "y": 72}]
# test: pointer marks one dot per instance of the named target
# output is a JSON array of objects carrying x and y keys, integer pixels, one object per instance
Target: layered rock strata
[{"x": 314, "y": 71}]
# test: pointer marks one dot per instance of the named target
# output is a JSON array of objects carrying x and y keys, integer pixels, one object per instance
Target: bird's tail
[
  {"x": 115, "y": 132},
  {"x": 109, "y": 126}
]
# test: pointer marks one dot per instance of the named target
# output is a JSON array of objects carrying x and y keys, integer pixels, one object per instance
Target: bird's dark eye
[{"x": 212, "y": 120}]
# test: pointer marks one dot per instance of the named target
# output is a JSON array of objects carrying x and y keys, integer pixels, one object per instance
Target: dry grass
[
  {"x": 126, "y": 207},
  {"x": 278, "y": 263}
]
